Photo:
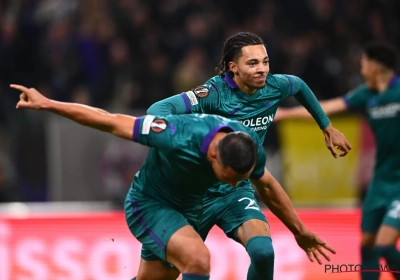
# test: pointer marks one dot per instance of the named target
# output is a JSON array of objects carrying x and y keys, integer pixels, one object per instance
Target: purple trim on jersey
[
  {"x": 187, "y": 102},
  {"x": 291, "y": 86},
  {"x": 135, "y": 212},
  {"x": 136, "y": 129},
  {"x": 346, "y": 101},
  {"x": 229, "y": 80},
  {"x": 257, "y": 176},
  {"x": 208, "y": 138},
  {"x": 393, "y": 80}
]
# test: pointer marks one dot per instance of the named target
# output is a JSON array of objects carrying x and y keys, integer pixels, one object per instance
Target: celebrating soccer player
[
  {"x": 188, "y": 154},
  {"x": 379, "y": 99},
  {"x": 244, "y": 90}
]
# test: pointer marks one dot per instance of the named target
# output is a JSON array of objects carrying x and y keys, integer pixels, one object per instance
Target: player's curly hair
[
  {"x": 238, "y": 151},
  {"x": 232, "y": 49}
]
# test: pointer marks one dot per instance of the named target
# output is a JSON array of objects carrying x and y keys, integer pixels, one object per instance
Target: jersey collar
[
  {"x": 229, "y": 80},
  {"x": 209, "y": 137},
  {"x": 393, "y": 80}
]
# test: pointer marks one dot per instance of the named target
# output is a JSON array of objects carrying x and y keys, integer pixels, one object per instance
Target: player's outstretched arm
[
  {"x": 116, "y": 124},
  {"x": 279, "y": 203},
  {"x": 171, "y": 105},
  {"x": 330, "y": 107}
]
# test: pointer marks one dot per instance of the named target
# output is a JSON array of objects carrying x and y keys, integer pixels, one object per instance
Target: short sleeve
[
  {"x": 202, "y": 99},
  {"x": 156, "y": 131},
  {"x": 357, "y": 98}
]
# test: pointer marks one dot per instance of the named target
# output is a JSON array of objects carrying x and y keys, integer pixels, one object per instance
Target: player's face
[
  {"x": 227, "y": 175},
  {"x": 251, "y": 68},
  {"x": 369, "y": 70}
]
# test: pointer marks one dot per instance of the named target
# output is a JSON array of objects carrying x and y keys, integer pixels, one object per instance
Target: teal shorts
[
  {"x": 152, "y": 223},
  {"x": 380, "y": 208},
  {"x": 228, "y": 212}
]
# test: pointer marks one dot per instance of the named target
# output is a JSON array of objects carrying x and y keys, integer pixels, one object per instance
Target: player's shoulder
[
  {"x": 273, "y": 80},
  {"x": 211, "y": 89},
  {"x": 281, "y": 80},
  {"x": 361, "y": 89},
  {"x": 214, "y": 89},
  {"x": 217, "y": 84},
  {"x": 215, "y": 80}
]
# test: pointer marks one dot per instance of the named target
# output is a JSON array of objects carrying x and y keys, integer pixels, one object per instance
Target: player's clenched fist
[{"x": 30, "y": 98}]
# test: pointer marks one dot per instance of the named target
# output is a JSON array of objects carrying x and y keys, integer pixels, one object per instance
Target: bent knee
[
  {"x": 368, "y": 240},
  {"x": 263, "y": 255},
  {"x": 260, "y": 250},
  {"x": 198, "y": 261}
]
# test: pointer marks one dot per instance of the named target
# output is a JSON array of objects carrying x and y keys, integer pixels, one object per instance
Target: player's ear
[
  {"x": 233, "y": 67},
  {"x": 213, "y": 156}
]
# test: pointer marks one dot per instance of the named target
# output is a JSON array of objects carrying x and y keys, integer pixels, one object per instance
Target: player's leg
[
  {"x": 156, "y": 270},
  {"x": 187, "y": 251},
  {"x": 369, "y": 256},
  {"x": 388, "y": 236},
  {"x": 166, "y": 270},
  {"x": 371, "y": 219},
  {"x": 244, "y": 221},
  {"x": 153, "y": 268},
  {"x": 168, "y": 235},
  {"x": 255, "y": 235}
]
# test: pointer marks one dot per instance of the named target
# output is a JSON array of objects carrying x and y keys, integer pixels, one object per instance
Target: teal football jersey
[
  {"x": 176, "y": 170},
  {"x": 221, "y": 96},
  {"x": 383, "y": 115}
]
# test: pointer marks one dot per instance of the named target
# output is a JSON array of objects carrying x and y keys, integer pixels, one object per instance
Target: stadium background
[{"x": 61, "y": 185}]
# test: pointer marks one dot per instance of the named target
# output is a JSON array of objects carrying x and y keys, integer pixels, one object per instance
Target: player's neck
[
  {"x": 383, "y": 81},
  {"x": 243, "y": 87}
]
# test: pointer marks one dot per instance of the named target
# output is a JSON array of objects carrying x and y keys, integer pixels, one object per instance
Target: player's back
[{"x": 176, "y": 170}]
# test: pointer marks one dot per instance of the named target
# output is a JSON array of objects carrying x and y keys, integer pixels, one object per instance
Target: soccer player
[
  {"x": 379, "y": 99},
  {"x": 245, "y": 91},
  {"x": 189, "y": 154}
]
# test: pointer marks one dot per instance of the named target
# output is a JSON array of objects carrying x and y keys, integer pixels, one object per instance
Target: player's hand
[
  {"x": 313, "y": 246},
  {"x": 30, "y": 98},
  {"x": 334, "y": 139}
]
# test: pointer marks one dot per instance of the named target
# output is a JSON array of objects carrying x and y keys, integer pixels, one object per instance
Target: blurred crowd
[{"x": 122, "y": 54}]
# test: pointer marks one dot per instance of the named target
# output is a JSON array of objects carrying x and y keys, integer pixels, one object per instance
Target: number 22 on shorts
[{"x": 252, "y": 203}]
